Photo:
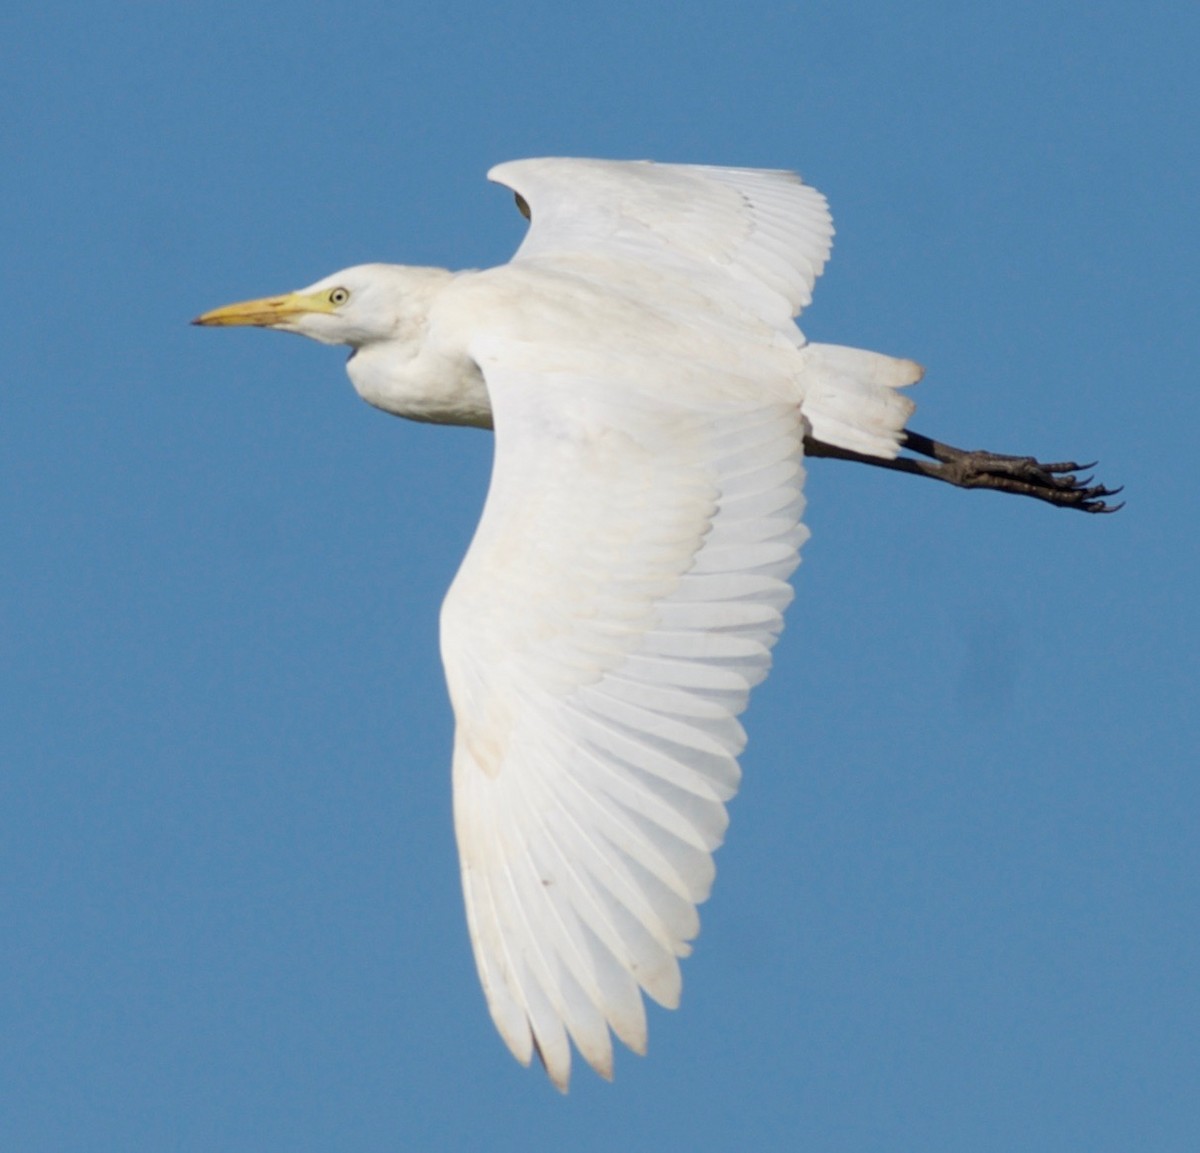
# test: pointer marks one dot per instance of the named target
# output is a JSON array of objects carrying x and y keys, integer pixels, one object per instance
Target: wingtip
[{"x": 559, "y": 1073}]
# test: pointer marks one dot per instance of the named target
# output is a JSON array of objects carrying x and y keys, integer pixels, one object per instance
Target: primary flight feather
[{"x": 652, "y": 400}]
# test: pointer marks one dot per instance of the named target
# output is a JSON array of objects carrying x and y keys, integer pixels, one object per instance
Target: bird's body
[{"x": 651, "y": 399}]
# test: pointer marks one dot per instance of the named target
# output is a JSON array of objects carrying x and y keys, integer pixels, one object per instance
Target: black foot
[{"x": 1056, "y": 483}]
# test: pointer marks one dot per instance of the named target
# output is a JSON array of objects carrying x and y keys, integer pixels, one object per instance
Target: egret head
[{"x": 356, "y": 306}]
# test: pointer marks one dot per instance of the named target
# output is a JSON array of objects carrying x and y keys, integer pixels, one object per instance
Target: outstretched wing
[
  {"x": 619, "y": 600},
  {"x": 758, "y": 235}
]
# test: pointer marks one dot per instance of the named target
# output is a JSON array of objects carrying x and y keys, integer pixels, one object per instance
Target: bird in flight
[{"x": 653, "y": 404}]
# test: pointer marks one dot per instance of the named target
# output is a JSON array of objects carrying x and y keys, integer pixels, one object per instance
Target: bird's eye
[{"x": 339, "y": 295}]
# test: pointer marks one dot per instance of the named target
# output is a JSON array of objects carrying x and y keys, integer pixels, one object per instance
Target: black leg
[{"x": 1056, "y": 483}]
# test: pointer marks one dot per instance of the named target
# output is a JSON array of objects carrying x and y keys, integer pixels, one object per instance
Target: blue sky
[{"x": 957, "y": 908}]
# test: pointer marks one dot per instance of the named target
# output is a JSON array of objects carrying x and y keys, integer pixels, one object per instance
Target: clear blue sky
[{"x": 957, "y": 908}]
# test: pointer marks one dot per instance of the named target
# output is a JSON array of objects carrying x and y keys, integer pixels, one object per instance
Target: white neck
[{"x": 421, "y": 371}]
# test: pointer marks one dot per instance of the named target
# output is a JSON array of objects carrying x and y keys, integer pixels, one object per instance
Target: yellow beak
[{"x": 267, "y": 311}]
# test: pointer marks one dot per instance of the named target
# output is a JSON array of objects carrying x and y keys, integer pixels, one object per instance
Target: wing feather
[
  {"x": 620, "y": 599},
  {"x": 759, "y": 235}
]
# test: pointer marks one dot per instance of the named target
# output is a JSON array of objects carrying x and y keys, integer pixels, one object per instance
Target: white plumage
[{"x": 650, "y": 395}]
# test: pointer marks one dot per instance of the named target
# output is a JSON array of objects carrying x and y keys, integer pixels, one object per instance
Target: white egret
[{"x": 652, "y": 401}]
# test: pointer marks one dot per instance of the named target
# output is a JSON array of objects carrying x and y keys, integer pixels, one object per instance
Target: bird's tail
[{"x": 850, "y": 397}]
